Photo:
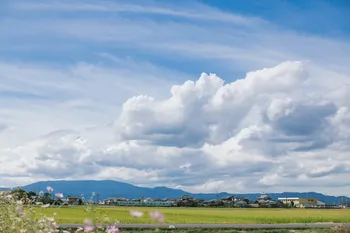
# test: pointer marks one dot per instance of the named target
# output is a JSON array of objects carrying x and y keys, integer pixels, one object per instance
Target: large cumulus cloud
[
  {"x": 279, "y": 128},
  {"x": 274, "y": 124}
]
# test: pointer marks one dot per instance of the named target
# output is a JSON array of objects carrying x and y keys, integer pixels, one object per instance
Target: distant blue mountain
[
  {"x": 109, "y": 188},
  {"x": 104, "y": 189}
]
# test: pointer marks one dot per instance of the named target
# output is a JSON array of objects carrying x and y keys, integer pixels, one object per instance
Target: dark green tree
[
  {"x": 31, "y": 194},
  {"x": 19, "y": 194},
  {"x": 46, "y": 199}
]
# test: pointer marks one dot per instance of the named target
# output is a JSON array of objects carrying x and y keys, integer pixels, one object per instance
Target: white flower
[{"x": 136, "y": 213}]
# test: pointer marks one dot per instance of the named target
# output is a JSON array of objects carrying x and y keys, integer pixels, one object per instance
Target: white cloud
[
  {"x": 133, "y": 116},
  {"x": 263, "y": 131},
  {"x": 288, "y": 133}
]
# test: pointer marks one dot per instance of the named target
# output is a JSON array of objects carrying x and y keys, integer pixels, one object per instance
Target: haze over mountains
[{"x": 109, "y": 188}]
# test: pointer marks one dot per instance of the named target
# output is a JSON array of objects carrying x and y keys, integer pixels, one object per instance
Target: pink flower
[
  {"x": 157, "y": 216},
  {"x": 89, "y": 226},
  {"x": 112, "y": 229},
  {"x": 136, "y": 213},
  {"x": 59, "y": 195},
  {"x": 49, "y": 189}
]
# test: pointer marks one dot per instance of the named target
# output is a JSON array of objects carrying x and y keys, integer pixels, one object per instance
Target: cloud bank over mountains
[{"x": 278, "y": 128}]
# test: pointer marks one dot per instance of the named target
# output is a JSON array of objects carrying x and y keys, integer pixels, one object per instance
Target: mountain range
[{"x": 109, "y": 188}]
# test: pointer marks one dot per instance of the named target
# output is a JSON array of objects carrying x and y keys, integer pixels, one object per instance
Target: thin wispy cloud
[{"x": 192, "y": 11}]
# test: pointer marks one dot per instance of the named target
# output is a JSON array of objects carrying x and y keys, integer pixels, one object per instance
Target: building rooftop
[{"x": 289, "y": 198}]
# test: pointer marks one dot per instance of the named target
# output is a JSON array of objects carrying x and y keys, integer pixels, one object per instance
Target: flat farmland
[{"x": 199, "y": 215}]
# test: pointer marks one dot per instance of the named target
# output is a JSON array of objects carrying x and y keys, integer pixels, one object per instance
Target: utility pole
[
  {"x": 217, "y": 196},
  {"x": 97, "y": 198}
]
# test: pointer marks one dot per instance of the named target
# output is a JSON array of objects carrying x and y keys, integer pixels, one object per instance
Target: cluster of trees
[
  {"x": 44, "y": 198},
  {"x": 187, "y": 201}
]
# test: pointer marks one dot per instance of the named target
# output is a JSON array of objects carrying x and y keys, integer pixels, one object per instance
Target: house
[
  {"x": 228, "y": 199},
  {"x": 188, "y": 201},
  {"x": 146, "y": 203},
  {"x": 110, "y": 201},
  {"x": 299, "y": 202},
  {"x": 241, "y": 204},
  {"x": 266, "y": 202},
  {"x": 187, "y": 198},
  {"x": 320, "y": 204},
  {"x": 264, "y": 198},
  {"x": 71, "y": 200},
  {"x": 232, "y": 201}
]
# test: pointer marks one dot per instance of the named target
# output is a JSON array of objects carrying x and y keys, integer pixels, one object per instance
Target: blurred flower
[
  {"x": 19, "y": 210},
  {"x": 89, "y": 228},
  {"x": 136, "y": 213},
  {"x": 112, "y": 229},
  {"x": 89, "y": 225},
  {"x": 41, "y": 193},
  {"x": 45, "y": 206},
  {"x": 50, "y": 219},
  {"x": 49, "y": 189},
  {"x": 88, "y": 221},
  {"x": 59, "y": 195},
  {"x": 157, "y": 216}
]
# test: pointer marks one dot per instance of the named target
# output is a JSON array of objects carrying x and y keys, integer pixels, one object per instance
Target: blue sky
[
  {"x": 39, "y": 42},
  {"x": 324, "y": 18},
  {"x": 219, "y": 86}
]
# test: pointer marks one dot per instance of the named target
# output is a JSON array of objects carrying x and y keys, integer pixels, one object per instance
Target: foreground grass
[{"x": 203, "y": 215}]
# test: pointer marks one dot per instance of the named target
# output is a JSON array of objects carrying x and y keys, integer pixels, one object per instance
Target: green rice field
[{"x": 199, "y": 215}]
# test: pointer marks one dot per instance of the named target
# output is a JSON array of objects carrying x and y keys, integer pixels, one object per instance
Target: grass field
[{"x": 202, "y": 215}]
